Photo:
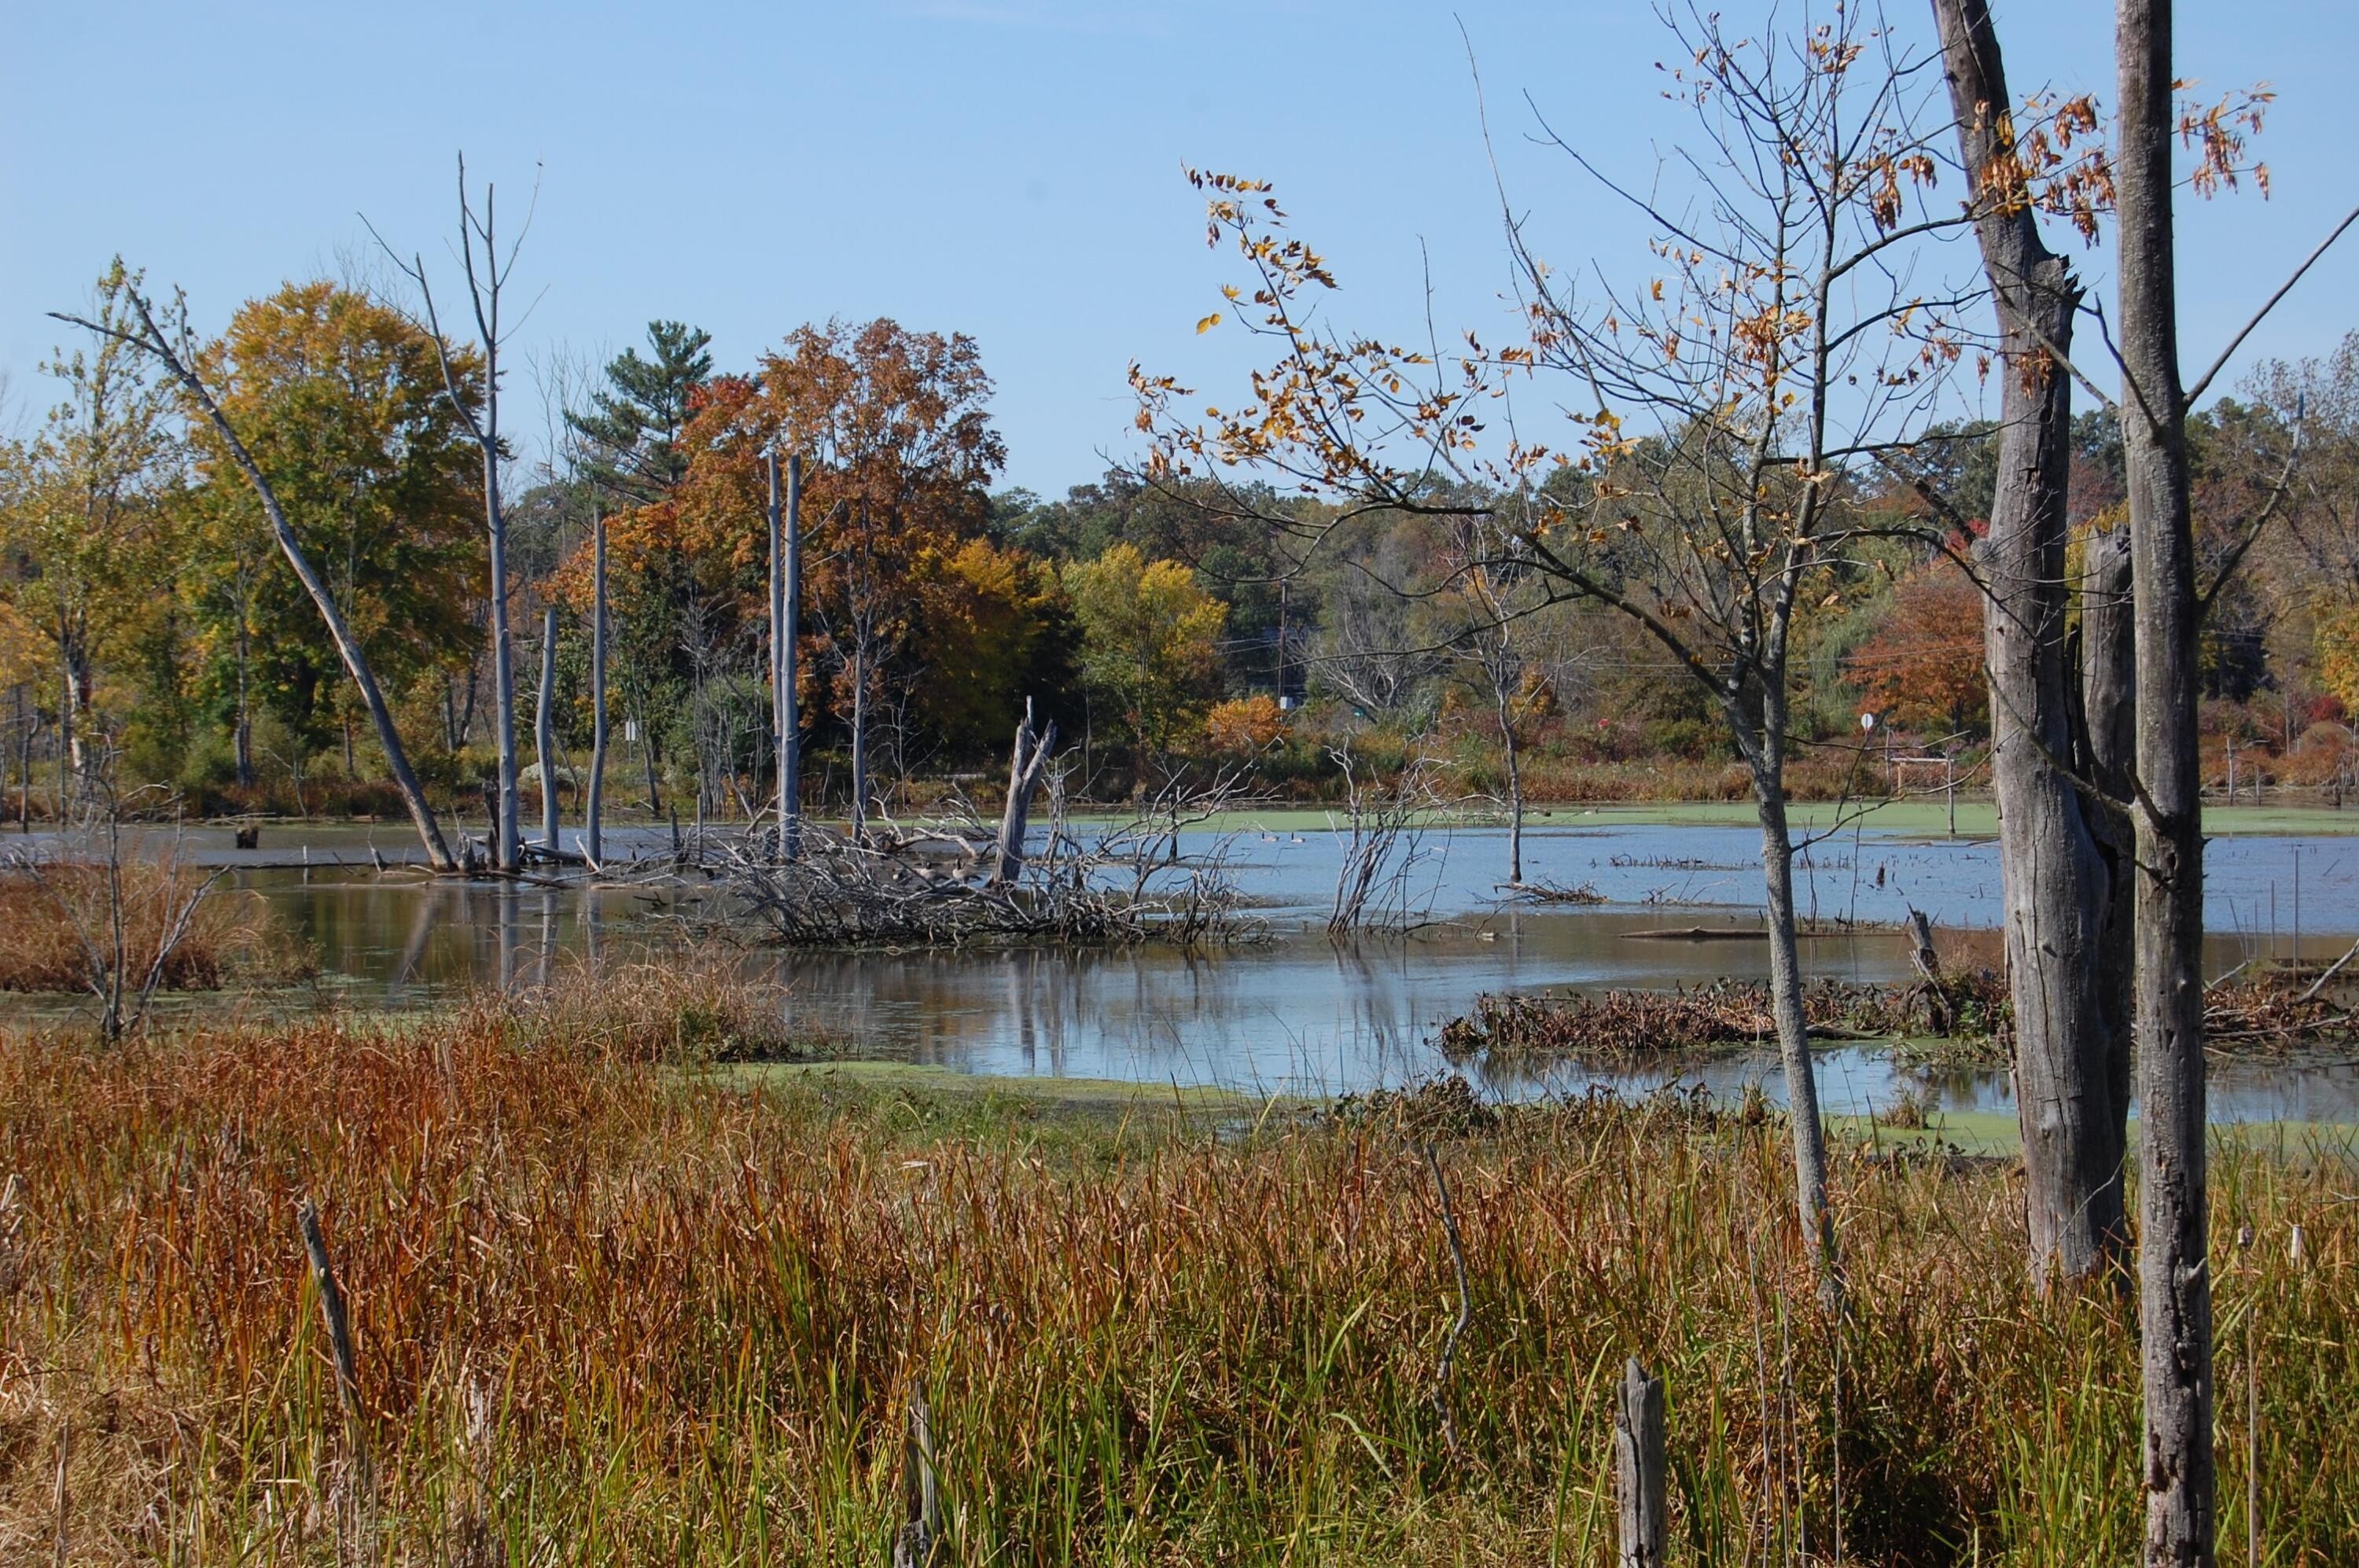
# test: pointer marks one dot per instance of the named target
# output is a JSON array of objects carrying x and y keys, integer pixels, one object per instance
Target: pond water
[{"x": 1300, "y": 1014}]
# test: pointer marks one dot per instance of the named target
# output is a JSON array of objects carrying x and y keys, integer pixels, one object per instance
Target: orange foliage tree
[
  {"x": 898, "y": 453},
  {"x": 1923, "y": 665}
]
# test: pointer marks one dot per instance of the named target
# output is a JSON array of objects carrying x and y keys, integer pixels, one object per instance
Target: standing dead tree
[
  {"x": 175, "y": 353},
  {"x": 1033, "y": 749},
  {"x": 2062, "y": 859},
  {"x": 488, "y": 272}
]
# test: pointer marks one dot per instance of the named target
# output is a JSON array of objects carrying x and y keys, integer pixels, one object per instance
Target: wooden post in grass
[
  {"x": 339, "y": 1334},
  {"x": 921, "y": 1498},
  {"x": 1638, "y": 1466}
]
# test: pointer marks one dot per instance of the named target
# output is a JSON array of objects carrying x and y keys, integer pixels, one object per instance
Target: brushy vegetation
[
  {"x": 610, "y": 1309},
  {"x": 1510, "y": 1032},
  {"x": 231, "y": 940}
]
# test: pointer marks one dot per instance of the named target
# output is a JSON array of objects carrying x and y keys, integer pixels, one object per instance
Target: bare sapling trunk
[
  {"x": 594, "y": 804},
  {"x": 544, "y": 729},
  {"x": 153, "y": 342},
  {"x": 1809, "y": 1130},
  {"x": 2056, "y": 885},
  {"x": 1514, "y": 790},
  {"x": 2174, "y": 1275},
  {"x": 1024, "y": 771}
]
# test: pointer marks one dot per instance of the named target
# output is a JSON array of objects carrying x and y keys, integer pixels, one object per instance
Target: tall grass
[
  {"x": 609, "y": 1310},
  {"x": 48, "y": 908}
]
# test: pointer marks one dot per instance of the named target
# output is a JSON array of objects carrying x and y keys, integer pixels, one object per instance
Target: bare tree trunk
[
  {"x": 242, "y": 739},
  {"x": 1024, "y": 769},
  {"x": 859, "y": 733},
  {"x": 2174, "y": 1279},
  {"x": 1515, "y": 787},
  {"x": 2109, "y": 740},
  {"x": 544, "y": 729},
  {"x": 791, "y": 727},
  {"x": 1809, "y": 1131},
  {"x": 594, "y": 805},
  {"x": 506, "y": 847},
  {"x": 2056, "y": 885}
]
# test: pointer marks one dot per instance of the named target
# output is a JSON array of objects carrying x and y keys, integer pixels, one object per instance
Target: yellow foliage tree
[{"x": 1149, "y": 637}]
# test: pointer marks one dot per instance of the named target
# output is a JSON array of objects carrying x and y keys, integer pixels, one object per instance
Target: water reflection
[{"x": 1302, "y": 1015}]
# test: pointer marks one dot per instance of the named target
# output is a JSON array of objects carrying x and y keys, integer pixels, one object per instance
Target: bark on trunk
[
  {"x": 1024, "y": 769},
  {"x": 594, "y": 805},
  {"x": 506, "y": 848},
  {"x": 544, "y": 729},
  {"x": 790, "y": 724},
  {"x": 1808, "y": 1133},
  {"x": 2056, "y": 885},
  {"x": 2174, "y": 1281}
]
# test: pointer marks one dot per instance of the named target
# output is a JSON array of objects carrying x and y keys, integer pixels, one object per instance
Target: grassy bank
[{"x": 609, "y": 1310}]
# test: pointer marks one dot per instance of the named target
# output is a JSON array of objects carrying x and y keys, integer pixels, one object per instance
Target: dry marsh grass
[
  {"x": 609, "y": 1310},
  {"x": 231, "y": 940}
]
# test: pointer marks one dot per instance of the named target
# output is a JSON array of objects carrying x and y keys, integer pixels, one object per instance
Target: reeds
[
  {"x": 230, "y": 937},
  {"x": 607, "y": 1310}
]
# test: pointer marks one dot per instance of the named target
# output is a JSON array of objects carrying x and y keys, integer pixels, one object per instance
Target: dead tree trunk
[
  {"x": 2056, "y": 885},
  {"x": 1638, "y": 1468},
  {"x": 544, "y": 729},
  {"x": 2108, "y": 739},
  {"x": 2174, "y": 1279},
  {"x": 1024, "y": 771},
  {"x": 790, "y": 723},
  {"x": 594, "y": 803},
  {"x": 348, "y": 647}
]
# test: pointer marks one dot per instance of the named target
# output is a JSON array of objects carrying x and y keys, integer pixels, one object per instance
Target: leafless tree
[{"x": 488, "y": 272}]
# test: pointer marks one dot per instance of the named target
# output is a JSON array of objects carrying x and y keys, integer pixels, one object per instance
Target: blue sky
[{"x": 1005, "y": 168}]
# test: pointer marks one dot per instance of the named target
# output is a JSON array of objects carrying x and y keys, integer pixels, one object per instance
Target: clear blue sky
[{"x": 1005, "y": 168}]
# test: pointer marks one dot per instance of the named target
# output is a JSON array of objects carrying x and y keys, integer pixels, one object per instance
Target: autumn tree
[
  {"x": 1921, "y": 666},
  {"x": 1150, "y": 646},
  {"x": 341, "y": 401},
  {"x": 898, "y": 451},
  {"x": 87, "y": 508}
]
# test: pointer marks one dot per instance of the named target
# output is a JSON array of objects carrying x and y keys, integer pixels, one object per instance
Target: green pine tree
[{"x": 631, "y": 430}]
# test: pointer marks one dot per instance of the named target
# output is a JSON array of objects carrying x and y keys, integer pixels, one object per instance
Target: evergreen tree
[{"x": 631, "y": 427}]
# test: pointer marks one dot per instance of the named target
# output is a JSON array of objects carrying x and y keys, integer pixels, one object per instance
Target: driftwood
[{"x": 1697, "y": 933}]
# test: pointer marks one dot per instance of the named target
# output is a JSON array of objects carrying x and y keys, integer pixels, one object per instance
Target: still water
[{"x": 1300, "y": 1014}]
